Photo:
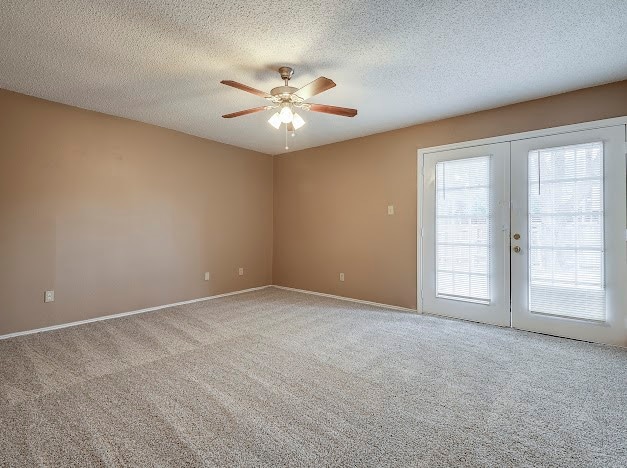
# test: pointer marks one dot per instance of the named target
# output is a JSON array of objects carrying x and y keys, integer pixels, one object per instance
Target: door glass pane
[
  {"x": 566, "y": 231},
  {"x": 462, "y": 231}
]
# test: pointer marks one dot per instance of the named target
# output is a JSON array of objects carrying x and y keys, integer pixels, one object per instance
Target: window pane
[
  {"x": 462, "y": 229},
  {"x": 566, "y": 231}
]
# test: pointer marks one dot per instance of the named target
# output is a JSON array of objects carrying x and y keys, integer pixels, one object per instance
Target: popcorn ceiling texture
[{"x": 398, "y": 62}]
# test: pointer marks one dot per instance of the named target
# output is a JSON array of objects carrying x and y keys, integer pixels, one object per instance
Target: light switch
[
  {"x": 241, "y": 271},
  {"x": 341, "y": 276},
  {"x": 390, "y": 209},
  {"x": 207, "y": 276}
]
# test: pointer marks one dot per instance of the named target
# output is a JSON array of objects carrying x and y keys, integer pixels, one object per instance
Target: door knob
[{"x": 517, "y": 249}]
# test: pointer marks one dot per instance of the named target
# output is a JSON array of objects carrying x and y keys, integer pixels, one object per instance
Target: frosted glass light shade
[
  {"x": 297, "y": 121},
  {"x": 275, "y": 120},
  {"x": 286, "y": 115}
]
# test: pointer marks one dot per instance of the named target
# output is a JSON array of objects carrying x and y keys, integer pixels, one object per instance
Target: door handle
[{"x": 517, "y": 249}]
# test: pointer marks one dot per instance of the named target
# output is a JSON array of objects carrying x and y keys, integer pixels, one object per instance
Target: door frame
[{"x": 487, "y": 141}]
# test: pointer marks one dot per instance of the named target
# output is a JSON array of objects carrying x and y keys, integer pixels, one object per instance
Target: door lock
[
  {"x": 516, "y": 236},
  {"x": 517, "y": 249}
]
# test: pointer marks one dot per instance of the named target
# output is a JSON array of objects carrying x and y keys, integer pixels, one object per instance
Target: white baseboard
[
  {"x": 125, "y": 314},
  {"x": 165, "y": 306},
  {"x": 349, "y": 299}
]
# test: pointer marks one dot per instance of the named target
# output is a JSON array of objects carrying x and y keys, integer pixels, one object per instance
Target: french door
[
  {"x": 529, "y": 233},
  {"x": 465, "y": 271}
]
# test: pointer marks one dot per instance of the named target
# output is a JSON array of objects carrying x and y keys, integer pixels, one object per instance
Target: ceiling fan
[{"x": 286, "y": 99}]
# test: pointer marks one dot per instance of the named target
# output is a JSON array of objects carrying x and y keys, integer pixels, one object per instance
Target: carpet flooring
[{"x": 279, "y": 378}]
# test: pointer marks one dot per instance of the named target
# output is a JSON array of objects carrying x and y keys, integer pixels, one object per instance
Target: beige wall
[
  {"x": 115, "y": 215},
  {"x": 330, "y": 202}
]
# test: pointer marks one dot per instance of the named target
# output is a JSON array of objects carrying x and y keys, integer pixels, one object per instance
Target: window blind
[
  {"x": 566, "y": 231},
  {"x": 462, "y": 231}
]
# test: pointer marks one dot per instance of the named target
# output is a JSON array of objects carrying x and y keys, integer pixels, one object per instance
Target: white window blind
[
  {"x": 566, "y": 231},
  {"x": 462, "y": 231}
]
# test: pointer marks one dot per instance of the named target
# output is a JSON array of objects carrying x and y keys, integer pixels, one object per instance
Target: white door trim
[
  {"x": 529, "y": 134},
  {"x": 486, "y": 141}
]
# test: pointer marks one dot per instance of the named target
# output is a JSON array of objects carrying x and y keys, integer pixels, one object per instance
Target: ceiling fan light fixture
[
  {"x": 286, "y": 99},
  {"x": 275, "y": 120},
  {"x": 286, "y": 115},
  {"x": 297, "y": 121}
]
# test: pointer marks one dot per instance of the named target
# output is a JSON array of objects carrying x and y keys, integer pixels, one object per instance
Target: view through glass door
[
  {"x": 564, "y": 196},
  {"x": 568, "y": 265}
]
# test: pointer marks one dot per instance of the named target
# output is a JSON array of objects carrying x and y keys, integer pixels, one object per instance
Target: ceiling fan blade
[
  {"x": 243, "y": 87},
  {"x": 245, "y": 112},
  {"x": 317, "y": 86},
  {"x": 290, "y": 127},
  {"x": 343, "y": 111}
]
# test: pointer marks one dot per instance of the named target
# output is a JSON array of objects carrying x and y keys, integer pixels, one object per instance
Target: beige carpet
[{"x": 276, "y": 378}]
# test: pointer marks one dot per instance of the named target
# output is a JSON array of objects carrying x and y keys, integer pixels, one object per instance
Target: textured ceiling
[{"x": 398, "y": 62}]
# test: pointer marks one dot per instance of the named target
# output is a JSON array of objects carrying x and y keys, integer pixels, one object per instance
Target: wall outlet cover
[
  {"x": 241, "y": 272},
  {"x": 207, "y": 276},
  {"x": 49, "y": 296}
]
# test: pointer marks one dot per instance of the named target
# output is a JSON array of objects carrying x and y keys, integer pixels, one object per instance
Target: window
[
  {"x": 462, "y": 231},
  {"x": 566, "y": 245}
]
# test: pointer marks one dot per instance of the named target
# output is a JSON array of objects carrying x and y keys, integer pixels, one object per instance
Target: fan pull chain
[{"x": 286, "y": 147}]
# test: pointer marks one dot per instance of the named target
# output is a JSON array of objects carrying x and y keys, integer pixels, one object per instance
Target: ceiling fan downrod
[{"x": 286, "y": 74}]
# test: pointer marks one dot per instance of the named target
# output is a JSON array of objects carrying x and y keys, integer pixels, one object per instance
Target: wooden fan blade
[
  {"x": 343, "y": 111},
  {"x": 290, "y": 127},
  {"x": 244, "y": 112},
  {"x": 317, "y": 86},
  {"x": 243, "y": 87}
]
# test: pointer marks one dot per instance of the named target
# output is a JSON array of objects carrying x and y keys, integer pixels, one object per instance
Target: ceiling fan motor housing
[{"x": 285, "y": 90}]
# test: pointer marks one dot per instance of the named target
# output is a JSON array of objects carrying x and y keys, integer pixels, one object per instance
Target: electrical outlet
[
  {"x": 207, "y": 276},
  {"x": 341, "y": 276},
  {"x": 241, "y": 271},
  {"x": 49, "y": 296},
  {"x": 390, "y": 209}
]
